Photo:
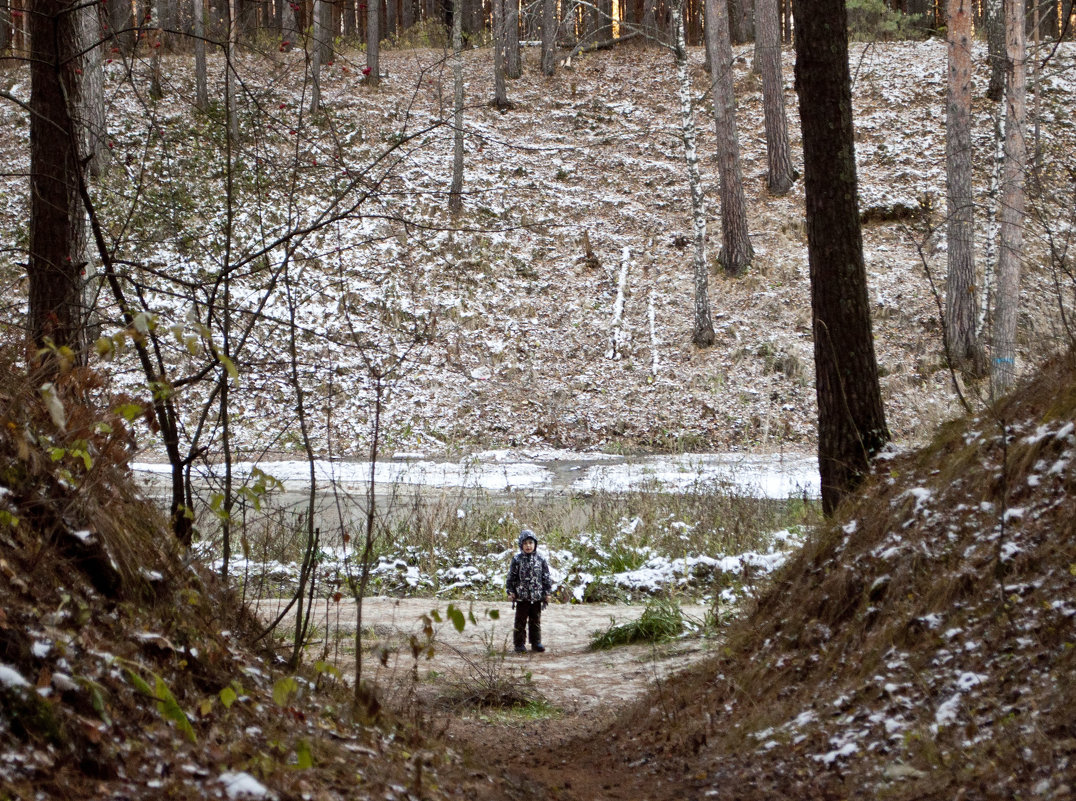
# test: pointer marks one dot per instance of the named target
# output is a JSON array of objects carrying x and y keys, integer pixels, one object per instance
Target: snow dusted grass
[
  {"x": 612, "y": 546},
  {"x": 923, "y": 643}
]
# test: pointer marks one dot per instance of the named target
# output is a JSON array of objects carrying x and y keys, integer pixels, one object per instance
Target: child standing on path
[{"x": 528, "y": 585}]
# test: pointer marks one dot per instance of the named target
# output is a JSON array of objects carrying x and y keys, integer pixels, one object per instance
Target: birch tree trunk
[
  {"x": 703, "y": 333},
  {"x": 1013, "y": 200},
  {"x": 373, "y": 43},
  {"x": 455, "y": 192},
  {"x": 549, "y": 36},
  {"x": 961, "y": 306},
  {"x": 513, "y": 63},
  {"x": 851, "y": 418},
  {"x": 619, "y": 339},
  {"x": 736, "y": 252},
  {"x": 781, "y": 174}
]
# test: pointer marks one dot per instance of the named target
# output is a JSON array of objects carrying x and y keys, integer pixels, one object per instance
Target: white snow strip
[
  {"x": 9, "y": 677},
  {"x": 243, "y": 785}
]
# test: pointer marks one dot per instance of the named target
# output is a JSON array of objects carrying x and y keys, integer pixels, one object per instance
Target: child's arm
[
  {"x": 511, "y": 584},
  {"x": 547, "y": 580}
]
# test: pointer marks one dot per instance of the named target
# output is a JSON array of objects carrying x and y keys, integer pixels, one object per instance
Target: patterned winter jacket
[{"x": 528, "y": 575}]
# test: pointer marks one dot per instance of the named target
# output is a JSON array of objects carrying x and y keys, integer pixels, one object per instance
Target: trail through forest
[{"x": 516, "y": 755}]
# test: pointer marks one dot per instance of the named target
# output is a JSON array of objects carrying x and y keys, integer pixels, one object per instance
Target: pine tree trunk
[
  {"x": 391, "y": 20},
  {"x": 455, "y": 192},
  {"x": 703, "y": 334},
  {"x": 781, "y": 174},
  {"x": 7, "y": 40},
  {"x": 500, "y": 96},
  {"x": 549, "y": 37},
  {"x": 373, "y": 43},
  {"x": 120, "y": 23},
  {"x": 93, "y": 127},
  {"x": 56, "y": 216},
  {"x": 961, "y": 305},
  {"x": 1013, "y": 201},
  {"x": 736, "y": 252},
  {"x": 741, "y": 16},
  {"x": 168, "y": 22},
  {"x": 650, "y": 22},
  {"x": 851, "y": 419},
  {"x": 325, "y": 39},
  {"x": 513, "y": 66}
]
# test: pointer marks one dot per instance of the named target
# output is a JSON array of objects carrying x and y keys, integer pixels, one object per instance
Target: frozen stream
[{"x": 771, "y": 475}]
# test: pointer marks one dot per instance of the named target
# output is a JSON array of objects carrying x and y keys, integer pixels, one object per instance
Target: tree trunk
[
  {"x": 741, "y": 16},
  {"x": 513, "y": 66},
  {"x": 455, "y": 192},
  {"x": 168, "y": 23},
  {"x": 500, "y": 91},
  {"x": 229, "y": 73},
  {"x": 961, "y": 306},
  {"x": 93, "y": 126},
  {"x": 549, "y": 37},
  {"x": 328, "y": 28},
  {"x": 201, "y": 81},
  {"x": 703, "y": 334},
  {"x": 391, "y": 20},
  {"x": 315, "y": 52},
  {"x": 1013, "y": 200},
  {"x": 120, "y": 24},
  {"x": 7, "y": 40},
  {"x": 995, "y": 44},
  {"x": 851, "y": 419},
  {"x": 650, "y": 21},
  {"x": 373, "y": 43},
  {"x": 56, "y": 220},
  {"x": 736, "y": 252},
  {"x": 781, "y": 174}
]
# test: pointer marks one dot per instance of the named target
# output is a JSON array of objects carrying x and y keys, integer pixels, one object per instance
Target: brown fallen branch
[{"x": 583, "y": 47}]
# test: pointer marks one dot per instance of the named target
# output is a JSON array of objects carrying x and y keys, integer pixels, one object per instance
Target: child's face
[{"x": 528, "y": 546}]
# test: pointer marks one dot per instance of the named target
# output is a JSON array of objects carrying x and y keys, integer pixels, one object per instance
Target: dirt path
[
  {"x": 518, "y": 757},
  {"x": 571, "y": 677}
]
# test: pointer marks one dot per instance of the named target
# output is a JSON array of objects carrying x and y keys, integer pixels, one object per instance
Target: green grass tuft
[{"x": 661, "y": 620}]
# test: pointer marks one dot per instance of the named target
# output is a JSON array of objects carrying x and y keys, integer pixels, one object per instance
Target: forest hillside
[{"x": 499, "y": 325}]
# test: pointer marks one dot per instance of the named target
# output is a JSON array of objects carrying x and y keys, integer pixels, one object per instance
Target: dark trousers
[{"x": 528, "y": 620}]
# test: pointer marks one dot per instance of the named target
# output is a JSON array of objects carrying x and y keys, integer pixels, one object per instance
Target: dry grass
[
  {"x": 126, "y": 673},
  {"x": 929, "y": 632}
]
